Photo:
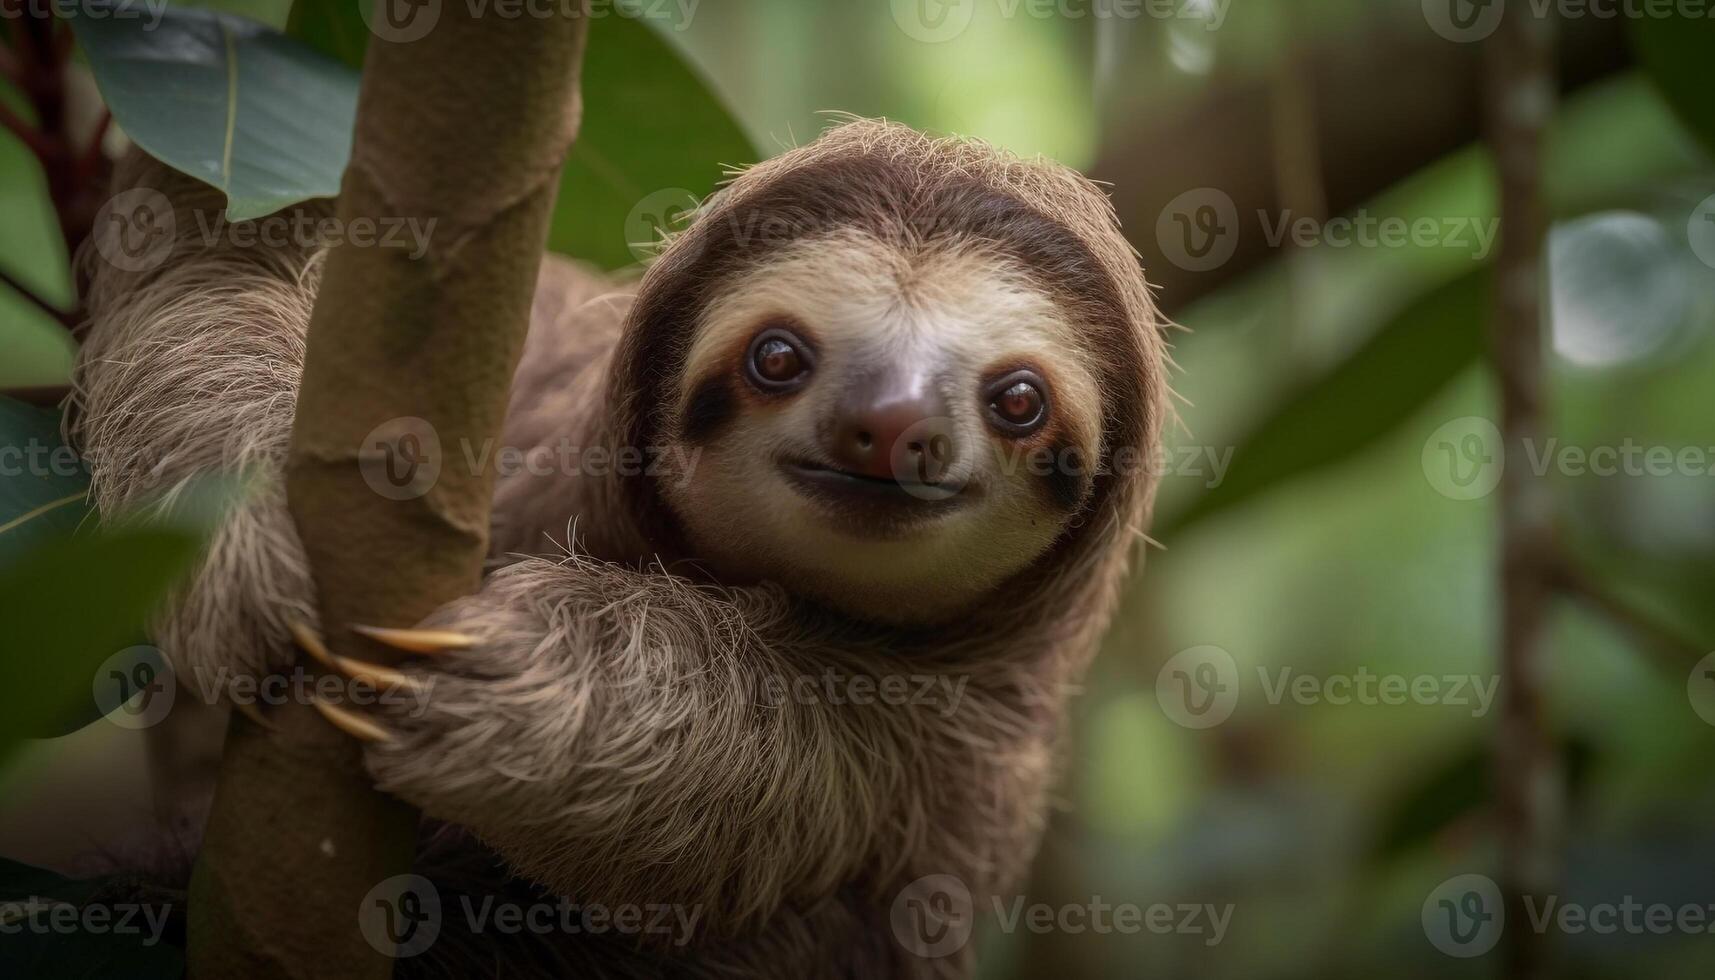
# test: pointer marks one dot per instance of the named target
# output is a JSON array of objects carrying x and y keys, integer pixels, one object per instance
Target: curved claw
[
  {"x": 351, "y": 723},
  {"x": 374, "y": 675},
  {"x": 417, "y": 641}
]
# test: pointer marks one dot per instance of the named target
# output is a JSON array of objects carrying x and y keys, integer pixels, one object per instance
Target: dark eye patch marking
[
  {"x": 1066, "y": 481},
  {"x": 709, "y": 410}
]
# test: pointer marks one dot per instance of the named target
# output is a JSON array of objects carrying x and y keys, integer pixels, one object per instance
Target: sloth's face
[{"x": 891, "y": 434}]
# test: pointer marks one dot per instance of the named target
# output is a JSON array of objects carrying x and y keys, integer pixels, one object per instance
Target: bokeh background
[{"x": 1317, "y": 515}]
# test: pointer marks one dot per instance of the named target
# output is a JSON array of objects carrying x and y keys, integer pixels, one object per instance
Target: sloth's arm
[
  {"x": 631, "y": 737},
  {"x": 189, "y": 368}
]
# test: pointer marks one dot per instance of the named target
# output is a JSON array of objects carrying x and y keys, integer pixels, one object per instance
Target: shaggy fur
[{"x": 617, "y": 735}]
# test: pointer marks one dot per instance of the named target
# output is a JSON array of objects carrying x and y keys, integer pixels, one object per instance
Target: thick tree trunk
[{"x": 465, "y": 127}]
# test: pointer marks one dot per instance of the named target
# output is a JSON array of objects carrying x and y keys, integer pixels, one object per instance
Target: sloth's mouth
[{"x": 879, "y": 506}]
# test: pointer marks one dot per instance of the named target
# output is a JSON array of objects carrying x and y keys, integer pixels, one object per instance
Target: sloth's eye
[
  {"x": 1018, "y": 403},
  {"x": 778, "y": 361}
]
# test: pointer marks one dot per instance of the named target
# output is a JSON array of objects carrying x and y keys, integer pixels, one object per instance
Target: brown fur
[{"x": 612, "y": 736}]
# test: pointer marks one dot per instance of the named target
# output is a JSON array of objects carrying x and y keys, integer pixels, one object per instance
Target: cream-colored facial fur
[{"x": 955, "y": 314}]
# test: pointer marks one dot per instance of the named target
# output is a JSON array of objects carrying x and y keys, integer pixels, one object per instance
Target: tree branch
[
  {"x": 1672, "y": 650},
  {"x": 1519, "y": 94},
  {"x": 463, "y": 131}
]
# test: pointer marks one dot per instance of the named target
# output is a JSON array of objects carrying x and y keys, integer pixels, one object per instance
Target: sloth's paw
[{"x": 386, "y": 680}]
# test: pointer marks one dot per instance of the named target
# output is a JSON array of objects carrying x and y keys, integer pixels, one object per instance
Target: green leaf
[
  {"x": 38, "y": 348},
  {"x": 1674, "y": 50},
  {"x": 68, "y": 605},
  {"x": 654, "y": 138},
  {"x": 333, "y": 27},
  {"x": 1358, "y": 402},
  {"x": 44, "y": 487},
  {"x": 229, "y": 101}
]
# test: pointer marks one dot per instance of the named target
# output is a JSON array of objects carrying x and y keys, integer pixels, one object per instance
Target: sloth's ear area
[{"x": 414, "y": 641}]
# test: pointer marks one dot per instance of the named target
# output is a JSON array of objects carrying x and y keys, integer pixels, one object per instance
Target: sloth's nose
[{"x": 894, "y": 431}]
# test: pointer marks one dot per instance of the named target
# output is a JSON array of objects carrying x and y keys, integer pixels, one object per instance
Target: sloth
[{"x": 820, "y": 660}]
